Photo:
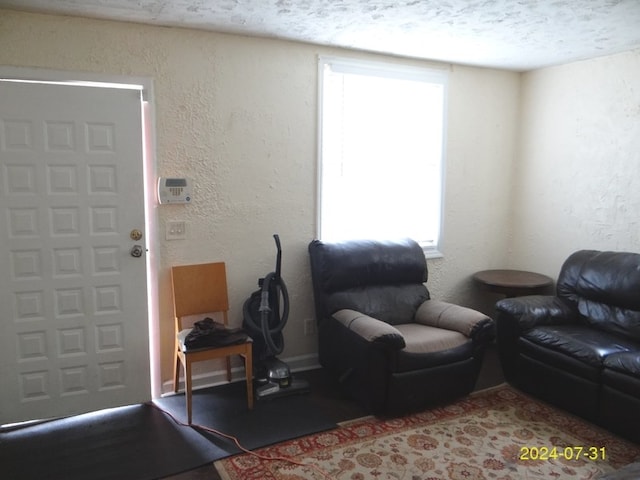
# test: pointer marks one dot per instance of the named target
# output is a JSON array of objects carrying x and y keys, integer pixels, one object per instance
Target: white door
[{"x": 73, "y": 301}]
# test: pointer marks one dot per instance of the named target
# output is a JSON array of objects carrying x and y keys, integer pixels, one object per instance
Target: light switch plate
[{"x": 176, "y": 230}]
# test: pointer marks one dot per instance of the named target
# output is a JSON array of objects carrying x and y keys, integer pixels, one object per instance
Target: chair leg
[
  {"x": 187, "y": 389},
  {"x": 228, "y": 369},
  {"x": 248, "y": 367},
  {"x": 176, "y": 374}
]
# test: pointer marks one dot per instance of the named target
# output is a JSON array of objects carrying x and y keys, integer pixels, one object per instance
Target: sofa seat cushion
[
  {"x": 628, "y": 362},
  {"x": 616, "y": 383},
  {"x": 580, "y": 342},
  {"x": 620, "y": 396},
  {"x": 431, "y": 346}
]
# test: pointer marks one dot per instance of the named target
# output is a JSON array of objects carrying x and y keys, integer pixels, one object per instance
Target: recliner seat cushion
[
  {"x": 406, "y": 360},
  {"x": 425, "y": 339},
  {"x": 583, "y": 343}
]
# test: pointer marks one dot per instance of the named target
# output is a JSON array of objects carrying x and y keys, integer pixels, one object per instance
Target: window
[{"x": 381, "y": 151}]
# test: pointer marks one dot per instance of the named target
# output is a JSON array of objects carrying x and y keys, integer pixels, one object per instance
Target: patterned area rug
[{"x": 499, "y": 434}]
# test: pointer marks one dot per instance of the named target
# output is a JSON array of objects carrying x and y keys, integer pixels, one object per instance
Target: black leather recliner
[
  {"x": 580, "y": 349},
  {"x": 393, "y": 349}
]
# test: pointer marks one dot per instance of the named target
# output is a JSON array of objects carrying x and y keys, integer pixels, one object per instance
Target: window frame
[{"x": 388, "y": 70}]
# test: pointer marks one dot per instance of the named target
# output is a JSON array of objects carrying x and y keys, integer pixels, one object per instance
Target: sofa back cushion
[
  {"x": 382, "y": 279},
  {"x": 605, "y": 286}
]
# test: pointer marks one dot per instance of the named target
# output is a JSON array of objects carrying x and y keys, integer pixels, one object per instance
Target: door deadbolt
[
  {"x": 135, "y": 234},
  {"x": 136, "y": 251}
]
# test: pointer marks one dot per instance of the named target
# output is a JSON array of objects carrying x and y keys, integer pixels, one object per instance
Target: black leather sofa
[
  {"x": 580, "y": 349},
  {"x": 393, "y": 348}
]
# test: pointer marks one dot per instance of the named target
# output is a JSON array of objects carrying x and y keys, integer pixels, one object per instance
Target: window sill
[{"x": 431, "y": 252}]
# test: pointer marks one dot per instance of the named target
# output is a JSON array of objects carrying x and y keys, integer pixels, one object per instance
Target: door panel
[{"x": 73, "y": 304}]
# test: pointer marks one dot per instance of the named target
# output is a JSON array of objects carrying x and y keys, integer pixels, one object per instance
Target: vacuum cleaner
[{"x": 264, "y": 320}]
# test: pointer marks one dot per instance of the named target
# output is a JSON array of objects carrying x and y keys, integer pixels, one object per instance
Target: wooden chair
[{"x": 202, "y": 290}]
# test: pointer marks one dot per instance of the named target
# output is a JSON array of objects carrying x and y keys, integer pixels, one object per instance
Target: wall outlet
[
  {"x": 176, "y": 230},
  {"x": 309, "y": 326}
]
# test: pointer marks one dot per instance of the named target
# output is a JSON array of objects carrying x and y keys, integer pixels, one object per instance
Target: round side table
[{"x": 513, "y": 283}]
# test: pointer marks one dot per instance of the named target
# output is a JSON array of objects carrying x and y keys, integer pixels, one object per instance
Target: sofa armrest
[
  {"x": 371, "y": 329},
  {"x": 514, "y": 316},
  {"x": 469, "y": 322},
  {"x": 530, "y": 311}
]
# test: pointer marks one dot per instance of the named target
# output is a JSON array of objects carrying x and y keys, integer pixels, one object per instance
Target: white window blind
[{"x": 382, "y": 131}]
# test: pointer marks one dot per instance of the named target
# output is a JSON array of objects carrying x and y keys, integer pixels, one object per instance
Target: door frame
[{"x": 145, "y": 84}]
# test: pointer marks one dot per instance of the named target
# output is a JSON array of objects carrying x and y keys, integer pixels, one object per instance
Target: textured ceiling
[{"x": 510, "y": 34}]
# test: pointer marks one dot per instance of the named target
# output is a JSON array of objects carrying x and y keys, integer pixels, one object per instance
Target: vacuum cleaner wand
[{"x": 278, "y": 255}]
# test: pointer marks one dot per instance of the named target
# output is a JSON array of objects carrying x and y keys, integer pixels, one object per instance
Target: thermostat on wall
[{"x": 174, "y": 190}]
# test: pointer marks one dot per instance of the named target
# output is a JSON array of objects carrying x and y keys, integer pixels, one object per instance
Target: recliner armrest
[
  {"x": 469, "y": 322},
  {"x": 371, "y": 329}
]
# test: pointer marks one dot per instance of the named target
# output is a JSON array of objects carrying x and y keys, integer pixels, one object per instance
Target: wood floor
[{"x": 325, "y": 390}]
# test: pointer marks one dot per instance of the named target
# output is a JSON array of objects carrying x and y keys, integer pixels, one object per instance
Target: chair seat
[{"x": 233, "y": 339}]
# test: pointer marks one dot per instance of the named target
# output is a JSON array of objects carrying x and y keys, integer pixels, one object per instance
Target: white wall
[
  {"x": 577, "y": 183},
  {"x": 238, "y": 115}
]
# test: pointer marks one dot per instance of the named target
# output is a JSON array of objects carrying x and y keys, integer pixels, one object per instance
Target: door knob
[
  {"x": 136, "y": 251},
  {"x": 135, "y": 234}
]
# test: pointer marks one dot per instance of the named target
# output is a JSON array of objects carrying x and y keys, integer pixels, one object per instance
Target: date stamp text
[{"x": 567, "y": 453}]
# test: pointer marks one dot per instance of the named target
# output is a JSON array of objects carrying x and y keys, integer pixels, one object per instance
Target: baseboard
[{"x": 219, "y": 376}]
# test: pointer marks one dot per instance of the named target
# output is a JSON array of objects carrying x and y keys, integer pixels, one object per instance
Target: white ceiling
[{"x": 511, "y": 34}]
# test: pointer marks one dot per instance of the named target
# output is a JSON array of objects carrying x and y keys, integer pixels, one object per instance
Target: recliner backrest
[
  {"x": 382, "y": 279},
  {"x": 605, "y": 286}
]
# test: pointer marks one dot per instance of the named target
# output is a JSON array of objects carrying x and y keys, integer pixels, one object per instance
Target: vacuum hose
[
  {"x": 262, "y": 318},
  {"x": 273, "y": 288}
]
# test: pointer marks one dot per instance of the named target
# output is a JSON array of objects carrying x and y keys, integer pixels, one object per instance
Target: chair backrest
[
  {"x": 605, "y": 287},
  {"x": 383, "y": 279},
  {"x": 199, "y": 289}
]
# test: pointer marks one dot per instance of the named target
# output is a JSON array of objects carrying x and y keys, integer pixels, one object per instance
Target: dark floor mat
[
  {"x": 136, "y": 442},
  {"x": 140, "y": 442},
  {"x": 224, "y": 408}
]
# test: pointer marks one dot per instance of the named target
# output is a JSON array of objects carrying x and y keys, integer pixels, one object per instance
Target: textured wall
[
  {"x": 238, "y": 115},
  {"x": 578, "y": 183},
  {"x": 519, "y": 35}
]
